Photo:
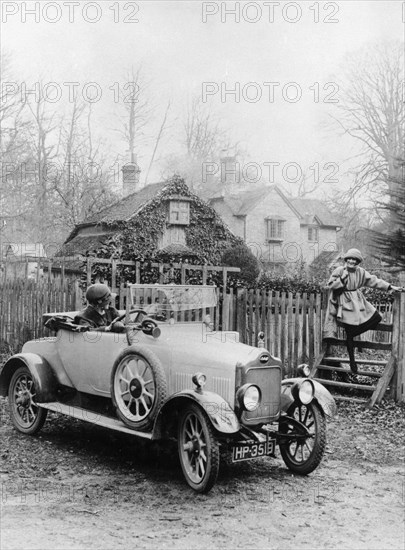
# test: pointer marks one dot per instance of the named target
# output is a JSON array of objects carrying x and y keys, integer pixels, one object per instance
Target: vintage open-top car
[{"x": 170, "y": 375}]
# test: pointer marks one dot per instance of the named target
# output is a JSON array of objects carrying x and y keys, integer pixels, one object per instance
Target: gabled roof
[
  {"x": 82, "y": 243},
  {"x": 127, "y": 207},
  {"x": 99, "y": 229},
  {"x": 314, "y": 208},
  {"x": 242, "y": 203},
  {"x": 122, "y": 210}
]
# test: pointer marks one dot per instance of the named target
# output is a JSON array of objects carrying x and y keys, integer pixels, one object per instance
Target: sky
[{"x": 284, "y": 61}]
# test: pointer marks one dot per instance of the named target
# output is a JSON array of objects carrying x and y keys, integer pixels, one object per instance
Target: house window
[
  {"x": 275, "y": 229},
  {"x": 179, "y": 212},
  {"x": 313, "y": 234}
]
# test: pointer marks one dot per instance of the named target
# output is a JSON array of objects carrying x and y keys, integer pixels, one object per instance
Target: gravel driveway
[{"x": 78, "y": 486}]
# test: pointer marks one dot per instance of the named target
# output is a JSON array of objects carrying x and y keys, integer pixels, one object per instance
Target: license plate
[{"x": 247, "y": 451}]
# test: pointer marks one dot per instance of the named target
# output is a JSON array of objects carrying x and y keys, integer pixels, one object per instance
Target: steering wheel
[
  {"x": 121, "y": 317},
  {"x": 147, "y": 324}
]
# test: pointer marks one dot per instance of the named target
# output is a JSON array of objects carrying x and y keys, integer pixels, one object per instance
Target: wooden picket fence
[
  {"x": 291, "y": 323},
  {"x": 22, "y": 304}
]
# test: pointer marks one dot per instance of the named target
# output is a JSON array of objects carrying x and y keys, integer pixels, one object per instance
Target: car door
[{"x": 88, "y": 358}]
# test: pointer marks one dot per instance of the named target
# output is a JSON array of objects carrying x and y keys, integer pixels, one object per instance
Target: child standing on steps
[{"x": 348, "y": 306}]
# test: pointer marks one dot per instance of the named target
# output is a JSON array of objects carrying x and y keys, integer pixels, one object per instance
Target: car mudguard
[
  {"x": 323, "y": 397},
  {"x": 46, "y": 384},
  {"x": 222, "y": 417}
]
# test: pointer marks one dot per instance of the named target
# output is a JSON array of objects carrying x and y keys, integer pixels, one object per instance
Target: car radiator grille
[{"x": 268, "y": 379}]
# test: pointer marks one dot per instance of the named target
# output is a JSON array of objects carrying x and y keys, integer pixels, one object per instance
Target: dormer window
[
  {"x": 179, "y": 212},
  {"x": 275, "y": 228},
  {"x": 313, "y": 234}
]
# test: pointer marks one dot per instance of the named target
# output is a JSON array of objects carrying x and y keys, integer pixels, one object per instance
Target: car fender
[
  {"x": 322, "y": 396},
  {"x": 220, "y": 414},
  {"x": 46, "y": 383}
]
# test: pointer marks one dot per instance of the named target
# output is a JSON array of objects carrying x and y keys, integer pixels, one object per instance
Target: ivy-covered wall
[
  {"x": 138, "y": 239},
  {"x": 207, "y": 237}
]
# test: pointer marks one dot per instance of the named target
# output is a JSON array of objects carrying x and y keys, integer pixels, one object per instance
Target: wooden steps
[
  {"x": 385, "y": 378},
  {"x": 362, "y": 344},
  {"x": 358, "y": 361},
  {"x": 348, "y": 371},
  {"x": 331, "y": 371}
]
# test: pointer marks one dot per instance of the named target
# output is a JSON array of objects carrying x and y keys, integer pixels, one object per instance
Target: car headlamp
[
  {"x": 306, "y": 392},
  {"x": 199, "y": 379},
  {"x": 249, "y": 397}
]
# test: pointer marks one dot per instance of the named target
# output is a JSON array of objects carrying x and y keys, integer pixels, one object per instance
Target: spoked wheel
[
  {"x": 26, "y": 416},
  {"x": 138, "y": 387},
  {"x": 303, "y": 455},
  {"x": 198, "y": 449}
]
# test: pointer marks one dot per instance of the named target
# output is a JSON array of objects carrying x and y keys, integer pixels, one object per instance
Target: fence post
[
  {"x": 113, "y": 275},
  {"x": 49, "y": 271},
  {"x": 241, "y": 316},
  {"x": 398, "y": 345},
  {"x": 88, "y": 271},
  {"x": 78, "y": 295},
  {"x": 62, "y": 273}
]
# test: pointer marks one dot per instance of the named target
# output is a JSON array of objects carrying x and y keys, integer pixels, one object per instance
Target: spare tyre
[{"x": 138, "y": 387}]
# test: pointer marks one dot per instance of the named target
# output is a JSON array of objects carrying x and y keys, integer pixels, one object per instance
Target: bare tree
[
  {"x": 135, "y": 98},
  {"x": 202, "y": 131},
  {"x": 355, "y": 219},
  {"x": 372, "y": 111},
  {"x": 157, "y": 142},
  {"x": 202, "y": 140},
  {"x": 302, "y": 187},
  {"x": 15, "y": 205},
  {"x": 41, "y": 131},
  {"x": 84, "y": 184}
]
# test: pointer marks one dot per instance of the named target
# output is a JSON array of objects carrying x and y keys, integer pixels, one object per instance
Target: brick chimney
[{"x": 130, "y": 178}]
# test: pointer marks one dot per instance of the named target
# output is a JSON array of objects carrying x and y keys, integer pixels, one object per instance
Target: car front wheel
[
  {"x": 26, "y": 416},
  {"x": 138, "y": 387},
  {"x": 302, "y": 453},
  {"x": 198, "y": 449}
]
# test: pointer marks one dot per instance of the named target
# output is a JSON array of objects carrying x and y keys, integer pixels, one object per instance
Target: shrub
[{"x": 240, "y": 256}]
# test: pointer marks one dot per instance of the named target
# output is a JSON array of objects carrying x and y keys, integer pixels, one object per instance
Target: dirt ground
[{"x": 78, "y": 486}]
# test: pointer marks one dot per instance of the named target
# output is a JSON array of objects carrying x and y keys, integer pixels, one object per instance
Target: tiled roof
[
  {"x": 315, "y": 207},
  {"x": 325, "y": 259},
  {"x": 81, "y": 244},
  {"x": 241, "y": 203},
  {"x": 127, "y": 207},
  {"x": 251, "y": 198}
]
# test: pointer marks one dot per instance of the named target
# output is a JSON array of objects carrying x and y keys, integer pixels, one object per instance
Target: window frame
[
  {"x": 311, "y": 230},
  {"x": 183, "y": 215},
  {"x": 278, "y": 223}
]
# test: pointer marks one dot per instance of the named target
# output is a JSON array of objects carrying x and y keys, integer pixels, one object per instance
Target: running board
[{"x": 93, "y": 418}]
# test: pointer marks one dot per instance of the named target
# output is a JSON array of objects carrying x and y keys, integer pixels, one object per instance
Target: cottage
[
  {"x": 161, "y": 220},
  {"x": 282, "y": 231}
]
